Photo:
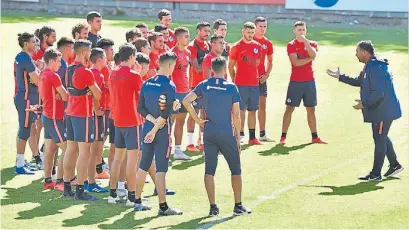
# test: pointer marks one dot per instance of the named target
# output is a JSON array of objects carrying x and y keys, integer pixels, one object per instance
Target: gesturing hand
[
  {"x": 334, "y": 74},
  {"x": 358, "y": 106},
  {"x": 150, "y": 137}
]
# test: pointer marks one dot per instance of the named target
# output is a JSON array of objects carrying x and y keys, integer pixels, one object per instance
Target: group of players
[{"x": 81, "y": 92}]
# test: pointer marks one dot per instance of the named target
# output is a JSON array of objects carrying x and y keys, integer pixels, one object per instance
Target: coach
[{"x": 379, "y": 104}]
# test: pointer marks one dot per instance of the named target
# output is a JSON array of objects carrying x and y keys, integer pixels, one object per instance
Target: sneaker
[
  {"x": 255, "y": 141},
  {"x": 392, "y": 171},
  {"x": 112, "y": 200},
  {"x": 180, "y": 155},
  {"x": 371, "y": 177},
  {"x": 84, "y": 196},
  {"x": 318, "y": 141},
  {"x": 201, "y": 147},
  {"x": 282, "y": 140},
  {"x": 96, "y": 188},
  {"x": 240, "y": 210},
  {"x": 24, "y": 171},
  {"x": 48, "y": 186},
  {"x": 242, "y": 139},
  {"x": 141, "y": 207},
  {"x": 122, "y": 193},
  {"x": 192, "y": 148},
  {"x": 265, "y": 138},
  {"x": 30, "y": 166},
  {"x": 59, "y": 186},
  {"x": 168, "y": 192},
  {"x": 129, "y": 203},
  {"x": 170, "y": 212},
  {"x": 214, "y": 211},
  {"x": 40, "y": 165},
  {"x": 103, "y": 175}
]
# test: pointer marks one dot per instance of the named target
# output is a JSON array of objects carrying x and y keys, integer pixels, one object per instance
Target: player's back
[{"x": 218, "y": 97}]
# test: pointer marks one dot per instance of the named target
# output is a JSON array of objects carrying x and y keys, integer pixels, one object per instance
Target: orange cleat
[
  {"x": 59, "y": 186},
  {"x": 103, "y": 175},
  {"x": 282, "y": 141},
  {"x": 318, "y": 141},
  {"x": 254, "y": 141},
  {"x": 47, "y": 186},
  {"x": 192, "y": 148}
]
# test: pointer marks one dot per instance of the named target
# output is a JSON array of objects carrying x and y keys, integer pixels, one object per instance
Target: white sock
[
  {"x": 121, "y": 184},
  {"x": 190, "y": 138},
  {"x": 201, "y": 137},
  {"x": 178, "y": 148},
  {"x": 20, "y": 160}
]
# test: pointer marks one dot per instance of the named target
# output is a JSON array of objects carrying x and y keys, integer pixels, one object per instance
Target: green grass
[{"x": 294, "y": 186}]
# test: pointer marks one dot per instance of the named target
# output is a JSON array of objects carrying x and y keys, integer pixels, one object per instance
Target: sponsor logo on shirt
[
  {"x": 153, "y": 84},
  {"x": 216, "y": 88}
]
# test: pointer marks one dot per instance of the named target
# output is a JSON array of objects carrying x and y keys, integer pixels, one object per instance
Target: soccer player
[
  {"x": 47, "y": 38},
  {"x": 52, "y": 94},
  {"x": 165, "y": 18},
  {"x": 98, "y": 60},
  {"x": 220, "y": 100},
  {"x": 155, "y": 104},
  {"x": 220, "y": 28},
  {"x": 143, "y": 27},
  {"x": 198, "y": 49},
  {"x": 181, "y": 80},
  {"x": 379, "y": 104},
  {"x": 80, "y": 31},
  {"x": 157, "y": 43},
  {"x": 66, "y": 47},
  {"x": 79, "y": 119},
  {"x": 125, "y": 86},
  {"x": 264, "y": 70},
  {"x": 217, "y": 49},
  {"x": 301, "y": 52},
  {"x": 132, "y": 35},
  {"x": 142, "y": 46},
  {"x": 245, "y": 57},
  {"x": 163, "y": 30},
  {"x": 27, "y": 94},
  {"x": 94, "y": 20}
]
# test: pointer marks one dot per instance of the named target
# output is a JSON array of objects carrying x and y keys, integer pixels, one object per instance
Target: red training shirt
[
  {"x": 49, "y": 82},
  {"x": 180, "y": 73},
  {"x": 247, "y": 57},
  {"x": 267, "y": 47},
  {"x": 301, "y": 73},
  {"x": 207, "y": 64},
  {"x": 39, "y": 55},
  {"x": 99, "y": 79},
  {"x": 172, "y": 39}
]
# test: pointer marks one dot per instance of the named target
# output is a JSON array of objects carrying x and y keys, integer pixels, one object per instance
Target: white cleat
[
  {"x": 265, "y": 139},
  {"x": 115, "y": 200},
  {"x": 180, "y": 155}
]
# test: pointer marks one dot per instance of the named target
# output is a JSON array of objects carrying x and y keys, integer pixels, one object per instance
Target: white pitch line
[{"x": 274, "y": 194}]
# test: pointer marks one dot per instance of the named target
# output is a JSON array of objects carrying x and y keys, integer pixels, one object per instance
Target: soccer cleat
[
  {"x": 168, "y": 192},
  {"x": 170, "y": 212},
  {"x": 265, "y": 138},
  {"x": 31, "y": 167},
  {"x": 214, "y": 211},
  {"x": 240, "y": 210},
  {"x": 318, "y": 141},
  {"x": 114, "y": 200},
  {"x": 180, "y": 155},
  {"x": 68, "y": 193},
  {"x": 255, "y": 141},
  {"x": 192, "y": 148},
  {"x": 59, "y": 186},
  {"x": 201, "y": 147},
  {"x": 48, "y": 186},
  {"x": 24, "y": 171},
  {"x": 122, "y": 193},
  {"x": 141, "y": 207},
  {"x": 371, "y": 177},
  {"x": 282, "y": 140},
  {"x": 84, "y": 196},
  {"x": 129, "y": 203},
  {"x": 96, "y": 188},
  {"x": 40, "y": 165},
  {"x": 103, "y": 175},
  {"x": 392, "y": 171}
]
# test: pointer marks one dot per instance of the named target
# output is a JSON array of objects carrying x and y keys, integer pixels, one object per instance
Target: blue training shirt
[
  {"x": 25, "y": 65},
  {"x": 62, "y": 71},
  {"x": 218, "y": 97},
  {"x": 93, "y": 38}
]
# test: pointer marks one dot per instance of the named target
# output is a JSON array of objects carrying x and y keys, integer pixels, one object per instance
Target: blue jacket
[{"x": 377, "y": 92}]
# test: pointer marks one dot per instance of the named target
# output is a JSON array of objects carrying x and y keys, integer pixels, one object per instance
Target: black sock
[
  {"x": 54, "y": 172},
  {"x": 131, "y": 196},
  {"x": 99, "y": 168},
  {"x": 42, "y": 148},
  {"x": 314, "y": 135},
  {"x": 138, "y": 201},
  {"x": 262, "y": 133},
  {"x": 38, "y": 159},
  {"x": 112, "y": 193},
  {"x": 48, "y": 180},
  {"x": 73, "y": 179},
  {"x": 80, "y": 188},
  {"x": 252, "y": 134},
  {"x": 213, "y": 206},
  {"x": 102, "y": 162},
  {"x": 237, "y": 204},
  {"x": 163, "y": 206},
  {"x": 284, "y": 135},
  {"x": 242, "y": 134},
  {"x": 59, "y": 180}
]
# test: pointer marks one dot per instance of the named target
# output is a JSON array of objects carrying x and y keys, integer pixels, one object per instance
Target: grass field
[{"x": 296, "y": 186}]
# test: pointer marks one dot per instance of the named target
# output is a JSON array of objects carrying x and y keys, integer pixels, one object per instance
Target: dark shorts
[
  {"x": 128, "y": 137},
  {"x": 304, "y": 91},
  {"x": 107, "y": 120},
  {"x": 54, "y": 129},
  {"x": 263, "y": 89},
  {"x": 228, "y": 146},
  {"x": 160, "y": 148},
  {"x": 99, "y": 128},
  {"x": 249, "y": 97},
  {"x": 25, "y": 118},
  {"x": 80, "y": 129},
  {"x": 111, "y": 131},
  {"x": 180, "y": 97}
]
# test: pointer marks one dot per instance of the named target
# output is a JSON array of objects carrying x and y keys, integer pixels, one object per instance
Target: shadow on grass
[
  {"x": 191, "y": 224},
  {"x": 355, "y": 189},
  {"x": 7, "y": 174},
  {"x": 187, "y": 164},
  {"x": 282, "y": 149}
]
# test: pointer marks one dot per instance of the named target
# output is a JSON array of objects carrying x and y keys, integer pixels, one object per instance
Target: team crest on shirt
[
  {"x": 264, "y": 46},
  {"x": 255, "y": 50},
  {"x": 187, "y": 58},
  {"x": 171, "y": 39}
]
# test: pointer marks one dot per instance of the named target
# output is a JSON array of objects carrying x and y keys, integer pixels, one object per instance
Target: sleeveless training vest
[
  {"x": 201, "y": 53},
  {"x": 70, "y": 87}
]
